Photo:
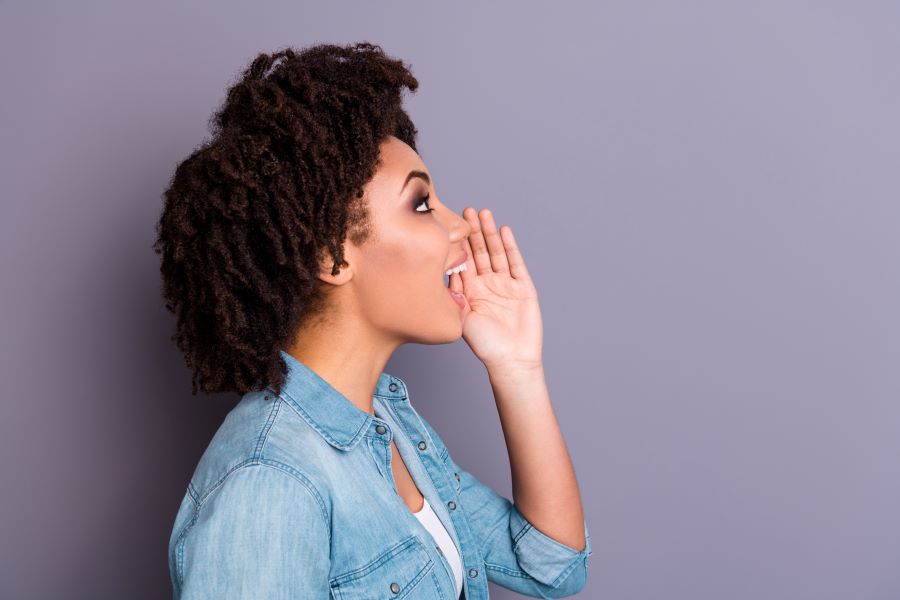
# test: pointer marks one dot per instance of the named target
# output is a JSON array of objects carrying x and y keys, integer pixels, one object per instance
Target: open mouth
[{"x": 458, "y": 269}]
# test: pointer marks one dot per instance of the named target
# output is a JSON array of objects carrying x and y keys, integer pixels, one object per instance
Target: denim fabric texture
[{"x": 294, "y": 497}]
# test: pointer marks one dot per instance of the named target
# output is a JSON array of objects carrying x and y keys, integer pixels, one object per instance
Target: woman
[{"x": 300, "y": 247}]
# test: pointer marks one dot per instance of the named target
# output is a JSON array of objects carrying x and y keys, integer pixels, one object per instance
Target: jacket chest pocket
[{"x": 403, "y": 571}]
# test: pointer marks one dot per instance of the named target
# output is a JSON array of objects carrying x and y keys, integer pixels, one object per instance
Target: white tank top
[{"x": 436, "y": 528}]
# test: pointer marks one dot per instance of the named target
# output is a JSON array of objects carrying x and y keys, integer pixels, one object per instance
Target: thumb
[{"x": 456, "y": 285}]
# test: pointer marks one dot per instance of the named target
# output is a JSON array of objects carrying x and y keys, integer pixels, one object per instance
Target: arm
[
  {"x": 504, "y": 329},
  {"x": 543, "y": 478},
  {"x": 260, "y": 534}
]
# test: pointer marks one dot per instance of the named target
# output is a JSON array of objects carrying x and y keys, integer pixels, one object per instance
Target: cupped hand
[{"x": 502, "y": 325}]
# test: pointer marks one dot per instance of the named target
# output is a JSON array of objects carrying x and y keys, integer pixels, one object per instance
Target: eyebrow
[{"x": 420, "y": 174}]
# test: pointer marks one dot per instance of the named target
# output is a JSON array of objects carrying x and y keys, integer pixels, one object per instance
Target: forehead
[{"x": 398, "y": 158}]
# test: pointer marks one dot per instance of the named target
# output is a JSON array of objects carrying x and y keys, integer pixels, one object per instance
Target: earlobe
[
  {"x": 328, "y": 275},
  {"x": 329, "y": 272}
]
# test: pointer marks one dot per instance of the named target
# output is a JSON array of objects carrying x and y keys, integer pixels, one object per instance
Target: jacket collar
[{"x": 328, "y": 411}]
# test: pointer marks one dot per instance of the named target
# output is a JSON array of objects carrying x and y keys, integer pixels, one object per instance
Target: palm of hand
[{"x": 503, "y": 319}]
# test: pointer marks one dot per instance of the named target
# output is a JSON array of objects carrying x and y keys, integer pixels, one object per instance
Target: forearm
[{"x": 545, "y": 489}]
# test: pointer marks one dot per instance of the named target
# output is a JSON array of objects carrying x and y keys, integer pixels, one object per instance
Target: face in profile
[{"x": 395, "y": 283}]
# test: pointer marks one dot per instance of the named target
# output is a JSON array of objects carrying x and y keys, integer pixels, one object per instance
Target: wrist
[{"x": 511, "y": 369}]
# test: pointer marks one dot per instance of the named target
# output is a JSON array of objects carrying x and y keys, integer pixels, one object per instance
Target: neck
[{"x": 347, "y": 354}]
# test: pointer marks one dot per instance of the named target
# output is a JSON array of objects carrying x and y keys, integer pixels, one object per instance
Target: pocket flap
[{"x": 393, "y": 575}]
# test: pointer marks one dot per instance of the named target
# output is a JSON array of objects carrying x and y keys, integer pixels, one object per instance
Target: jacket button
[
  {"x": 395, "y": 588},
  {"x": 381, "y": 429},
  {"x": 422, "y": 445},
  {"x": 441, "y": 552},
  {"x": 452, "y": 505},
  {"x": 393, "y": 387},
  {"x": 473, "y": 573}
]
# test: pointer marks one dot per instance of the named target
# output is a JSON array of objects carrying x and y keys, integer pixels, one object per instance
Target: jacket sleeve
[
  {"x": 517, "y": 555},
  {"x": 261, "y": 533}
]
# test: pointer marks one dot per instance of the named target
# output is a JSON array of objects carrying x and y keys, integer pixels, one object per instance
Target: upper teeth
[{"x": 461, "y": 267}]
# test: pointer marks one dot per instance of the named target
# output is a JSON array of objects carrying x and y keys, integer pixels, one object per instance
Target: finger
[
  {"x": 476, "y": 242},
  {"x": 469, "y": 273},
  {"x": 517, "y": 266},
  {"x": 495, "y": 248}
]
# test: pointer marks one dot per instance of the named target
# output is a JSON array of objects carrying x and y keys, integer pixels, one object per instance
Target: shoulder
[
  {"x": 265, "y": 491},
  {"x": 258, "y": 527},
  {"x": 261, "y": 444}
]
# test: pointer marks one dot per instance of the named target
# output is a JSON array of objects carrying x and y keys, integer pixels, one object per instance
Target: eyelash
[{"x": 419, "y": 203}]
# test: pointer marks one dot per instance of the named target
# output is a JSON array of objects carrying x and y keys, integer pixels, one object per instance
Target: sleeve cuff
[{"x": 542, "y": 557}]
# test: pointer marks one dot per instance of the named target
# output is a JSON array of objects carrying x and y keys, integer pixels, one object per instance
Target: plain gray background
[{"x": 706, "y": 194}]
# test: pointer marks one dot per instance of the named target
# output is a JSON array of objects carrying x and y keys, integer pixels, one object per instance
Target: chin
[{"x": 452, "y": 332}]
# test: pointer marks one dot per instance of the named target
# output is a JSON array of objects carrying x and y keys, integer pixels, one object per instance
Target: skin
[{"x": 391, "y": 291}]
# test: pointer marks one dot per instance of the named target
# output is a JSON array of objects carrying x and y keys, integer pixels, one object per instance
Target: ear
[{"x": 326, "y": 266}]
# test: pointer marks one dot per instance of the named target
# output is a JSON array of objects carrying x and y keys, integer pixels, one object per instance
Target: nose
[{"x": 459, "y": 227}]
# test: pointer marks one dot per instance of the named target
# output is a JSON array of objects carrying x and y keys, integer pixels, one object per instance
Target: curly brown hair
[{"x": 252, "y": 213}]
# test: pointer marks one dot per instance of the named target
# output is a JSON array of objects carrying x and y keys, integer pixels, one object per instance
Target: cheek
[
  {"x": 403, "y": 278},
  {"x": 411, "y": 263}
]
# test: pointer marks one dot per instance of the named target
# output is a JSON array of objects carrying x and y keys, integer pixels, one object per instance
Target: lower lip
[{"x": 458, "y": 298}]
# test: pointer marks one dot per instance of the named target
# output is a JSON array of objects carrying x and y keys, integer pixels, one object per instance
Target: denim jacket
[{"x": 295, "y": 498}]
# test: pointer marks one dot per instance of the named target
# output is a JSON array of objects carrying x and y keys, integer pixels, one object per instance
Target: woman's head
[
  {"x": 253, "y": 229},
  {"x": 394, "y": 285}
]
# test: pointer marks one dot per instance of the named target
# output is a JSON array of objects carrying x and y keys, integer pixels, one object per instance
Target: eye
[{"x": 421, "y": 201}]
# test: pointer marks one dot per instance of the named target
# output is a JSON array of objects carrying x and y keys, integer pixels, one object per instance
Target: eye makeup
[{"x": 420, "y": 201}]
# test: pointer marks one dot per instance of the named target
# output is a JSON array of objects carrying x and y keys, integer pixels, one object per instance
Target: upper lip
[{"x": 458, "y": 262}]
